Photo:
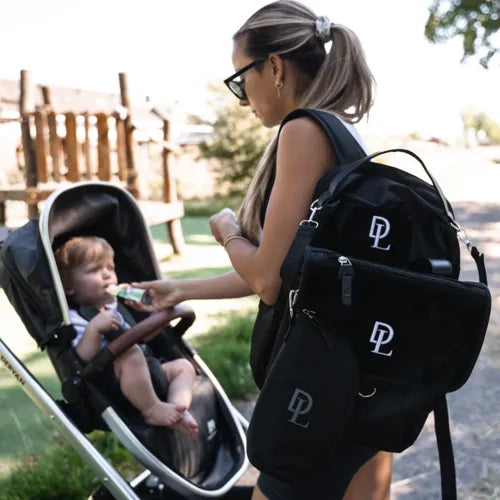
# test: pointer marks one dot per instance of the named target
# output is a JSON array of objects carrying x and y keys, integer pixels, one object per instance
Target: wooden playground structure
[{"x": 57, "y": 146}]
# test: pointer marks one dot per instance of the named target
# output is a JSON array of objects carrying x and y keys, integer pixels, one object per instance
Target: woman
[{"x": 281, "y": 64}]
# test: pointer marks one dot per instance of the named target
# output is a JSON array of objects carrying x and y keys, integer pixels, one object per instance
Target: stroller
[{"x": 175, "y": 467}]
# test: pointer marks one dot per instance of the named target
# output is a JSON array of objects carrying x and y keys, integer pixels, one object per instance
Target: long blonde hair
[{"x": 341, "y": 81}]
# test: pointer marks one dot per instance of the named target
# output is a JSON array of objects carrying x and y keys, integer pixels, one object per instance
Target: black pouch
[
  {"x": 416, "y": 337},
  {"x": 304, "y": 403}
]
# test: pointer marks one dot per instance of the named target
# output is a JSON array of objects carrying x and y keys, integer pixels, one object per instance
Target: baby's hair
[{"x": 78, "y": 250}]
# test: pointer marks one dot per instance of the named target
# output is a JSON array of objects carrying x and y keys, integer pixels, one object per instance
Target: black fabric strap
[
  {"x": 62, "y": 335},
  {"x": 338, "y": 181},
  {"x": 125, "y": 312},
  {"x": 293, "y": 260},
  {"x": 479, "y": 260},
  {"x": 445, "y": 450},
  {"x": 347, "y": 150}
]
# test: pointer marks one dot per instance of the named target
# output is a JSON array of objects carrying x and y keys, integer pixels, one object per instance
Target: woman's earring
[{"x": 278, "y": 84}]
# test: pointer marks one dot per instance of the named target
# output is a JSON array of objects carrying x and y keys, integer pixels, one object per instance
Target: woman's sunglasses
[{"x": 237, "y": 87}]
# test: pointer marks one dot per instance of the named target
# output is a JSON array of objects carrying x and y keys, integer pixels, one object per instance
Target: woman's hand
[
  {"x": 224, "y": 223},
  {"x": 164, "y": 294}
]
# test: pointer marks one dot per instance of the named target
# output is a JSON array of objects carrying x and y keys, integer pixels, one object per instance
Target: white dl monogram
[
  {"x": 379, "y": 230},
  {"x": 382, "y": 334},
  {"x": 300, "y": 404}
]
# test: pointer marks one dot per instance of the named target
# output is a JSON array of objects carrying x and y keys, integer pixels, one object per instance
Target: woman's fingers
[
  {"x": 223, "y": 223},
  {"x": 144, "y": 284},
  {"x": 139, "y": 306}
]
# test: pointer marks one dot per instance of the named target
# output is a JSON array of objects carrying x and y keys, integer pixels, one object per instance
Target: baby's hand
[{"x": 105, "y": 321}]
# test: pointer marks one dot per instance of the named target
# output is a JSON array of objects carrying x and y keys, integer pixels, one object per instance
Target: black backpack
[{"x": 372, "y": 326}]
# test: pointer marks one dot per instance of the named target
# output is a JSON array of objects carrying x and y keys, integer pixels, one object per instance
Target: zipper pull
[
  {"x": 324, "y": 333},
  {"x": 292, "y": 297},
  {"x": 346, "y": 275}
]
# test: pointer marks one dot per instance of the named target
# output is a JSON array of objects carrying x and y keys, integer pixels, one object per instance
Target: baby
[{"x": 86, "y": 266}]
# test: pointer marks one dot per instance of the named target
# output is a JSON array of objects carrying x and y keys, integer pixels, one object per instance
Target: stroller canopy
[{"x": 30, "y": 278}]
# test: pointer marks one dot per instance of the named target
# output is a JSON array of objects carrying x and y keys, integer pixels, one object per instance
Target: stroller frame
[{"x": 107, "y": 474}]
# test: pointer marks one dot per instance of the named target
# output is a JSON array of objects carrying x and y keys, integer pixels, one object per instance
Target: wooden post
[
  {"x": 40, "y": 149},
  {"x": 26, "y": 106},
  {"x": 170, "y": 193},
  {"x": 55, "y": 145},
  {"x": 132, "y": 184},
  {"x": 121, "y": 152},
  {"x": 73, "y": 174},
  {"x": 86, "y": 147},
  {"x": 103, "y": 160}
]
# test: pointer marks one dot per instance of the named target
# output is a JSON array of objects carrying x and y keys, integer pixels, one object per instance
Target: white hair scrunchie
[{"x": 324, "y": 29}]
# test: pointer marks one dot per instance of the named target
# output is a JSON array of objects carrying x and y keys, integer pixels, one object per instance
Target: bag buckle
[
  {"x": 462, "y": 235},
  {"x": 315, "y": 206},
  {"x": 292, "y": 297}
]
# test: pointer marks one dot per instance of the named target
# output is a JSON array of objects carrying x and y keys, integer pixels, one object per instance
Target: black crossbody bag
[{"x": 378, "y": 327}]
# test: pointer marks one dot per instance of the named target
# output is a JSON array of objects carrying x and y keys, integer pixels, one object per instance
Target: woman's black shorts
[{"x": 329, "y": 486}]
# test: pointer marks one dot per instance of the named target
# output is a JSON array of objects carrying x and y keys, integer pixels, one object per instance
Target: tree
[
  {"x": 238, "y": 142},
  {"x": 476, "y": 21},
  {"x": 484, "y": 128}
]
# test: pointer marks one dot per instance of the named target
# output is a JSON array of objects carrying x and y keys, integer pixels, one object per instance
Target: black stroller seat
[{"x": 206, "y": 467}]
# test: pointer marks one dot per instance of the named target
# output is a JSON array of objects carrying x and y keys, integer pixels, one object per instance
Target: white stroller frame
[{"x": 106, "y": 473}]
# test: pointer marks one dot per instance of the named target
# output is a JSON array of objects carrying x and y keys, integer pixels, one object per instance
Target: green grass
[
  {"x": 61, "y": 474},
  {"x": 211, "y": 205},
  {"x": 226, "y": 350},
  {"x": 24, "y": 429},
  {"x": 196, "y": 232},
  {"x": 199, "y": 272}
]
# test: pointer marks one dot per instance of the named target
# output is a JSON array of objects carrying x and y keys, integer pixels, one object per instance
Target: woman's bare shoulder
[{"x": 303, "y": 139}]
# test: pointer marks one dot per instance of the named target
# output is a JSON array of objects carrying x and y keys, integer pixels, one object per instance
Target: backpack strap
[
  {"x": 339, "y": 181},
  {"x": 479, "y": 260},
  {"x": 347, "y": 150},
  {"x": 445, "y": 449}
]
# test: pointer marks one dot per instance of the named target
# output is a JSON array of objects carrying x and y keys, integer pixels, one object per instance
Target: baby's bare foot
[
  {"x": 164, "y": 414},
  {"x": 187, "y": 425}
]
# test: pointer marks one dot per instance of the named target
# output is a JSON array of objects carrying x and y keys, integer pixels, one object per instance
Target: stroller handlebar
[{"x": 151, "y": 326}]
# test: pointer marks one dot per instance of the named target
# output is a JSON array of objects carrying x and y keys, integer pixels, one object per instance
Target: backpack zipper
[
  {"x": 323, "y": 332},
  {"x": 346, "y": 275}
]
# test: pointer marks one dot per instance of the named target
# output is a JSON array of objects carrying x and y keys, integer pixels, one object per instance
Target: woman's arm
[
  {"x": 304, "y": 155},
  {"x": 168, "y": 293},
  {"x": 225, "y": 286}
]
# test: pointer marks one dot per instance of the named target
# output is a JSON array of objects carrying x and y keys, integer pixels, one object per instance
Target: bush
[{"x": 238, "y": 142}]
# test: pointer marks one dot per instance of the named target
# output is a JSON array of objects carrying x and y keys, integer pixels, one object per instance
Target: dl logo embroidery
[
  {"x": 300, "y": 404},
  {"x": 382, "y": 334},
  {"x": 379, "y": 230}
]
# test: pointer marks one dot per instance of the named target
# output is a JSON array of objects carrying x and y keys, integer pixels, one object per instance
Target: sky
[{"x": 171, "y": 50}]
